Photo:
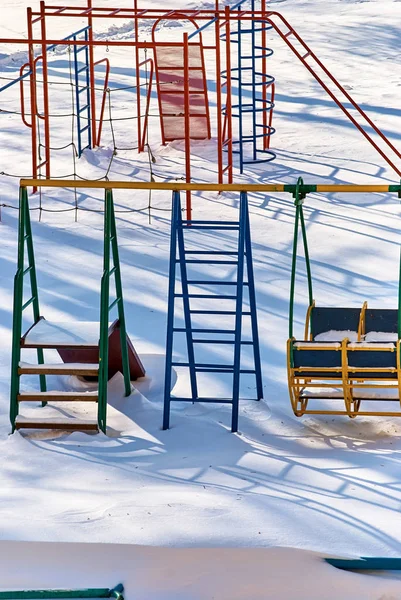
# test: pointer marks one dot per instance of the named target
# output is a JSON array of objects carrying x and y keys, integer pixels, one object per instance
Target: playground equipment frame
[{"x": 222, "y": 20}]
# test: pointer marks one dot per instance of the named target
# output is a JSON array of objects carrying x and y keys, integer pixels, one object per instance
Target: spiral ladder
[{"x": 256, "y": 89}]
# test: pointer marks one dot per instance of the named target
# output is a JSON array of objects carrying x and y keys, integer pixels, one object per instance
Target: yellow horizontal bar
[
  {"x": 145, "y": 185},
  {"x": 180, "y": 186}
]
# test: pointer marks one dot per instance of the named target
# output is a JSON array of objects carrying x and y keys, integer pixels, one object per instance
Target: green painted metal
[
  {"x": 366, "y": 563},
  {"x": 24, "y": 240},
  {"x": 110, "y": 242},
  {"x": 116, "y": 592},
  {"x": 299, "y": 193}
]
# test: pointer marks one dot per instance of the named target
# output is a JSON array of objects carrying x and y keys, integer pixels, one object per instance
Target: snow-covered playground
[{"x": 196, "y": 511}]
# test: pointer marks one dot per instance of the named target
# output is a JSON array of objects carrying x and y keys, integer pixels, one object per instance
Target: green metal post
[
  {"x": 306, "y": 250},
  {"x": 33, "y": 280},
  {"x": 104, "y": 318},
  {"x": 120, "y": 301},
  {"x": 116, "y": 592}
]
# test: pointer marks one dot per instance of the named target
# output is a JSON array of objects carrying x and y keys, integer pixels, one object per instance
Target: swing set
[{"x": 347, "y": 355}]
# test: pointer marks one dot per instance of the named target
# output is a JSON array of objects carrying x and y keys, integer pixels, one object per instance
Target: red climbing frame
[{"x": 222, "y": 20}]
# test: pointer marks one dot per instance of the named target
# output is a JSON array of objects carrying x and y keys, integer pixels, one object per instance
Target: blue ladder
[
  {"x": 83, "y": 106},
  {"x": 241, "y": 258}
]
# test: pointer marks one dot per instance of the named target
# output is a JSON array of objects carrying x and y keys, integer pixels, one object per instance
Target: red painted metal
[
  {"x": 270, "y": 125},
  {"x": 142, "y": 134},
  {"x": 46, "y": 111},
  {"x": 92, "y": 78},
  {"x": 187, "y": 122},
  {"x": 300, "y": 49},
  {"x": 103, "y": 105},
  {"x": 22, "y": 96},
  {"x": 32, "y": 86},
  {"x": 228, "y": 141},
  {"x": 285, "y": 35}
]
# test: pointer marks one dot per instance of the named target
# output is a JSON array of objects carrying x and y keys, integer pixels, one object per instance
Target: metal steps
[{"x": 56, "y": 423}]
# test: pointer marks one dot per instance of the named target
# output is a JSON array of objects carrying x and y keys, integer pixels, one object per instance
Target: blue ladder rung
[
  {"x": 210, "y": 262},
  {"x": 218, "y": 312},
  {"x": 80, "y": 49},
  {"x": 210, "y": 282},
  {"x": 198, "y": 330},
  {"x": 203, "y": 366},
  {"x": 82, "y": 69},
  {"x": 210, "y": 223},
  {"x": 83, "y": 108},
  {"x": 206, "y": 296},
  {"x": 199, "y": 341},
  {"x": 212, "y": 227},
  {"x": 83, "y": 89},
  {"x": 217, "y": 400},
  {"x": 223, "y": 253},
  {"x": 84, "y": 129}
]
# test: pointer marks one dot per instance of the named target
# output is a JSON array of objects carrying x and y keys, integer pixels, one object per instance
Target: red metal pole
[
  {"x": 46, "y": 111},
  {"x": 187, "y": 125},
  {"x": 266, "y": 140},
  {"x": 92, "y": 78},
  {"x": 218, "y": 102},
  {"x": 273, "y": 91},
  {"x": 138, "y": 78},
  {"x": 103, "y": 105},
  {"x": 32, "y": 85}
]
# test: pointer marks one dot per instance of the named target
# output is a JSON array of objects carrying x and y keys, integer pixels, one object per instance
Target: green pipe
[
  {"x": 366, "y": 563},
  {"x": 116, "y": 593},
  {"x": 307, "y": 260},
  {"x": 293, "y": 269}
]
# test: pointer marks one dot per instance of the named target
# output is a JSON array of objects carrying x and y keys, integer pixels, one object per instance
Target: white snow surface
[{"x": 316, "y": 484}]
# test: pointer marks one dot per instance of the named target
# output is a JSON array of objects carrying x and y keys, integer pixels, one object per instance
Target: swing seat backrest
[{"x": 328, "y": 319}]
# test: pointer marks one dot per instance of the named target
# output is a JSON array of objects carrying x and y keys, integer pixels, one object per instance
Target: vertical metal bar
[
  {"x": 104, "y": 318},
  {"x": 187, "y": 125},
  {"x": 120, "y": 303},
  {"x": 240, "y": 142},
  {"x": 175, "y": 211},
  {"x": 186, "y": 304},
  {"x": 253, "y": 75},
  {"x": 138, "y": 76},
  {"x": 92, "y": 71},
  {"x": 32, "y": 85},
  {"x": 88, "y": 94},
  {"x": 293, "y": 269},
  {"x": 238, "y": 312},
  {"x": 272, "y": 95},
  {"x": 46, "y": 111},
  {"x": 77, "y": 99},
  {"x": 218, "y": 102},
  {"x": 17, "y": 312},
  {"x": 266, "y": 139},
  {"x": 33, "y": 279},
  {"x": 307, "y": 259},
  {"x": 252, "y": 302},
  {"x": 229, "y": 97}
]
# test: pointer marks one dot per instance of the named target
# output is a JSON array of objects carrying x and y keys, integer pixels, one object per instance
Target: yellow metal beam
[{"x": 209, "y": 187}]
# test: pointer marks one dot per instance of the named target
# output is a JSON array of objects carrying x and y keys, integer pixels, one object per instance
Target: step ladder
[
  {"x": 76, "y": 337},
  {"x": 241, "y": 259},
  {"x": 82, "y": 92}
]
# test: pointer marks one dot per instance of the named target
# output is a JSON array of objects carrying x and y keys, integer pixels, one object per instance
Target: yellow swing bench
[{"x": 349, "y": 356}]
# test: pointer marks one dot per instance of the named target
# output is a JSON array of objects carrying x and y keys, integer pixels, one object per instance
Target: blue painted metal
[
  {"x": 242, "y": 259},
  {"x": 83, "y": 107},
  {"x": 14, "y": 81},
  {"x": 366, "y": 563},
  {"x": 250, "y": 147}
]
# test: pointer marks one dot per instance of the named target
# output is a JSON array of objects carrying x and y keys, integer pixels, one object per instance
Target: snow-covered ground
[{"x": 329, "y": 485}]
